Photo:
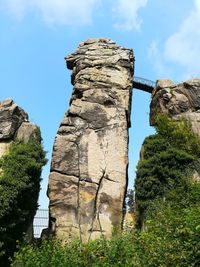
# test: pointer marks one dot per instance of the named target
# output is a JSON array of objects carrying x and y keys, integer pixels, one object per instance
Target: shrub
[
  {"x": 172, "y": 230},
  {"x": 19, "y": 189},
  {"x": 100, "y": 253}
]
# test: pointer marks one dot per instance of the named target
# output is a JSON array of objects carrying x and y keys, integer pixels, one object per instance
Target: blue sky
[{"x": 35, "y": 35}]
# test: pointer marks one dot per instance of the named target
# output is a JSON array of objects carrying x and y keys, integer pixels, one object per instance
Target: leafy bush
[
  {"x": 19, "y": 188},
  {"x": 172, "y": 230},
  {"x": 168, "y": 159},
  {"x": 170, "y": 239},
  {"x": 116, "y": 252}
]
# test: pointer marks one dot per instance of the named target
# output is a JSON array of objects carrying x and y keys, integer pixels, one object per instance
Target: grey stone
[
  {"x": 26, "y": 131},
  {"x": 11, "y": 117},
  {"x": 180, "y": 100}
]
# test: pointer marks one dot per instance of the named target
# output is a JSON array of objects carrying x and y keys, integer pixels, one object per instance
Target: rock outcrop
[
  {"x": 14, "y": 124},
  {"x": 88, "y": 178},
  {"x": 177, "y": 100}
]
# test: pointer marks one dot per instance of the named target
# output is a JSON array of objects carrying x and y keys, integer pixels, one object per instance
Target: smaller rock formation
[
  {"x": 14, "y": 125},
  {"x": 177, "y": 100}
]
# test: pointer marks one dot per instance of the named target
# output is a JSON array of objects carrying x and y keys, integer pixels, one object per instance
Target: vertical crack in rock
[
  {"x": 78, "y": 194},
  {"x": 96, "y": 211},
  {"x": 90, "y": 153}
]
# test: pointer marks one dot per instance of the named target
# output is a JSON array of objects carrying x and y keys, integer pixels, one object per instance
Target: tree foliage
[
  {"x": 172, "y": 229},
  {"x": 168, "y": 160},
  {"x": 20, "y": 172},
  {"x": 170, "y": 239}
]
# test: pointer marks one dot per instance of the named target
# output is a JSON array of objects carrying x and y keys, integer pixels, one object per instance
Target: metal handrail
[
  {"x": 143, "y": 84},
  {"x": 144, "y": 81}
]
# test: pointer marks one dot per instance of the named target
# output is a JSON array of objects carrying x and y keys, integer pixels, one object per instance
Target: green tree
[
  {"x": 168, "y": 159},
  {"x": 20, "y": 178}
]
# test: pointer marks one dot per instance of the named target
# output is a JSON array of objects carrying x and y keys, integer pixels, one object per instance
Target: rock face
[
  {"x": 88, "y": 178},
  {"x": 11, "y": 117},
  {"x": 178, "y": 100},
  {"x": 14, "y": 124}
]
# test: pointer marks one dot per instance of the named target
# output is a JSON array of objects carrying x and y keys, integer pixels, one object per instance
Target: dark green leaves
[{"x": 19, "y": 188}]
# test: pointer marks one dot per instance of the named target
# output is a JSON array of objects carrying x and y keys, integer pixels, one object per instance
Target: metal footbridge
[{"x": 143, "y": 84}]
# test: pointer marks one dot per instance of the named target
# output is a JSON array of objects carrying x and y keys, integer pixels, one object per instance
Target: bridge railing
[{"x": 144, "y": 81}]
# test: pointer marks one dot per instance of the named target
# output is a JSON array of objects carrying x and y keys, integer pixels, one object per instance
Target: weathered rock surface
[
  {"x": 14, "y": 124},
  {"x": 88, "y": 178},
  {"x": 178, "y": 100},
  {"x": 11, "y": 117}
]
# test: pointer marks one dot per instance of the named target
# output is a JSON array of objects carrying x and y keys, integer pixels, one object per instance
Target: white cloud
[
  {"x": 127, "y": 12},
  {"x": 179, "y": 56},
  {"x": 77, "y": 12},
  {"x": 16, "y": 8},
  {"x": 61, "y": 12},
  {"x": 157, "y": 61},
  {"x": 183, "y": 47}
]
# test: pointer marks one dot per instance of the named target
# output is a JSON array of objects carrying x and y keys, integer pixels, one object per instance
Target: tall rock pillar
[{"x": 88, "y": 178}]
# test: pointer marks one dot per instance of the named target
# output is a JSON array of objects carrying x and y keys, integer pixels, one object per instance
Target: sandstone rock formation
[
  {"x": 177, "y": 100},
  {"x": 88, "y": 178},
  {"x": 14, "y": 124}
]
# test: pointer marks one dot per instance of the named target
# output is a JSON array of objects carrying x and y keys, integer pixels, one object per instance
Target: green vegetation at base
[
  {"x": 20, "y": 172},
  {"x": 172, "y": 234},
  {"x": 170, "y": 239}
]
